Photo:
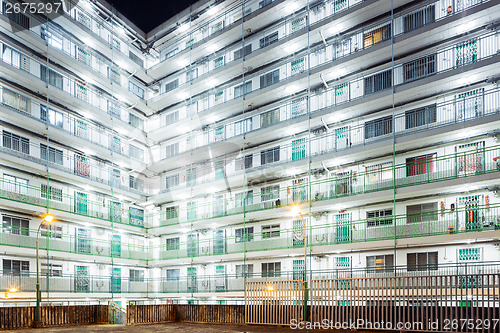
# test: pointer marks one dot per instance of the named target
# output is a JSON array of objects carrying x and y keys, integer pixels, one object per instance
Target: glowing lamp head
[
  {"x": 270, "y": 288},
  {"x": 296, "y": 210},
  {"x": 13, "y": 290},
  {"x": 48, "y": 218}
]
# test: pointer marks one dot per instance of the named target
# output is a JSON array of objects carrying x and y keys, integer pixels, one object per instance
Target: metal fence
[{"x": 273, "y": 302}]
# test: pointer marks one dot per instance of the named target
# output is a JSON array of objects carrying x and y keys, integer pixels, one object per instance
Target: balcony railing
[{"x": 219, "y": 283}]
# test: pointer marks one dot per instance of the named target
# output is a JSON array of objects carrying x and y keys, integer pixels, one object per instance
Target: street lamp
[
  {"x": 38, "y": 313},
  {"x": 296, "y": 211}
]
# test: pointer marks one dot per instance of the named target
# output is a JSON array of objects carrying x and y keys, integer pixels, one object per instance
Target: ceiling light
[
  {"x": 184, "y": 27},
  {"x": 212, "y": 11}
]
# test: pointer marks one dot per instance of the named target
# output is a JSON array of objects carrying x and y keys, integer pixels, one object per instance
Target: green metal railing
[{"x": 219, "y": 283}]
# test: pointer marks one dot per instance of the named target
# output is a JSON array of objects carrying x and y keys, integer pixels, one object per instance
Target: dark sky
[{"x": 148, "y": 14}]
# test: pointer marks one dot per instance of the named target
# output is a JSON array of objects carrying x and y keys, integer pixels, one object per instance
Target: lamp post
[
  {"x": 296, "y": 211},
  {"x": 38, "y": 313}
]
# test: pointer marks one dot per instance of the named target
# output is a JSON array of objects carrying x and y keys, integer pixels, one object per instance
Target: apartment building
[{"x": 172, "y": 159}]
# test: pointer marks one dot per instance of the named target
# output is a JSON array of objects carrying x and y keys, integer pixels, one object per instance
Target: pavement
[
  {"x": 176, "y": 327},
  {"x": 156, "y": 328}
]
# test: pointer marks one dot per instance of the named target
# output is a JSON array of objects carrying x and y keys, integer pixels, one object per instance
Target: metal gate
[
  {"x": 274, "y": 302},
  {"x": 413, "y": 303}
]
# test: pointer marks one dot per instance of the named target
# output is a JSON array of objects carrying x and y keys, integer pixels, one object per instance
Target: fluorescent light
[
  {"x": 184, "y": 27},
  {"x": 212, "y": 11}
]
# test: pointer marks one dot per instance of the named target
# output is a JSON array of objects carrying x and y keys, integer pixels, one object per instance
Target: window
[
  {"x": 218, "y": 62},
  {"x": 172, "y": 150},
  {"x": 52, "y": 270},
  {"x": 114, "y": 109},
  {"x": 172, "y": 85},
  {"x": 219, "y": 96},
  {"x": 271, "y": 269},
  {"x": 269, "y": 193},
  {"x": 472, "y": 254},
  {"x": 422, "y": 213},
  {"x": 379, "y": 172},
  {"x": 52, "y": 38},
  {"x": 189, "y": 43},
  {"x": 244, "y": 235},
  {"x": 84, "y": 19},
  {"x": 242, "y": 199},
  {"x": 378, "y": 82},
  {"x": 270, "y": 118},
  {"x": 171, "y": 118},
  {"x": 16, "y": 267},
  {"x": 173, "y": 274},
  {"x": 53, "y": 193},
  {"x": 268, "y": 40},
  {"x": 264, "y": 3},
  {"x": 297, "y": 66},
  {"x": 217, "y": 26},
  {"x": 376, "y": 35},
  {"x": 244, "y": 271},
  {"x": 51, "y": 77},
  {"x": 171, "y": 53},
  {"x": 419, "y": 68},
  {"x": 114, "y": 76},
  {"x": 136, "y": 275},
  {"x": 420, "y": 165},
  {"x": 136, "y": 216},
  {"x": 243, "y": 126},
  {"x": 117, "y": 44},
  {"x": 15, "y": 225},
  {"x": 243, "y": 89},
  {"x": 422, "y": 261},
  {"x": 243, "y": 52},
  {"x": 11, "y": 56},
  {"x": 135, "y": 89},
  {"x": 16, "y": 101},
  {"x": 15, "y": 184},
  {"x": 172, "y": 213},
  {"x": 54, "y": 155},
  {"x": 466, "y": 53},
  {"x": 172, "y": 244},
  {"x": 55, "y": 118},
  {"x": 270, "y": 231},
  {"x": 379, "y": 217},
  {"x": 299, "y": 107},
  {"x": 244, "y": 162},
  {"x": 16, "y": 142},
  {"x": 270, "y": 155},
  {"x": 51, "y": 231},
  {"x": 136, "y": 152},
  {"x": 135, "y": 58},
  {"x": 378, "y": 127},
  {"x": 269, "y": 78},
  {"x": 191, "y": 75},
  {"x": 297, "y": 24},
  {"x": 420, "y": 117},
  {"x": 19, "y": 18},
  {"x": 419, "y": 18},
  {"x": 172, "y": 181},
  {"x": 381, "y": 263}
]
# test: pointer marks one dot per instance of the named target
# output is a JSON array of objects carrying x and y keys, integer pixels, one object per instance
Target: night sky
[{"x": 148, "y": 14}]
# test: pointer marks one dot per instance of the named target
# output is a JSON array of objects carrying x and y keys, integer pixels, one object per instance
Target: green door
[
  {"x": 192, "y": 283},
  {"x": 116, "y": 280},
  {"x": 82, "y": 281},
  {"x": 219, "y": 242},
  {"x": 298, "y": 269},
  {"x": 116, "y": 246},
  {"x": 343, "y": 223},
  {"x": 220, "y": 278},
  {"x": 81, "y": 203},
  {"x": 298, "y": 233},
  {"x": 298, "y": 149}
]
